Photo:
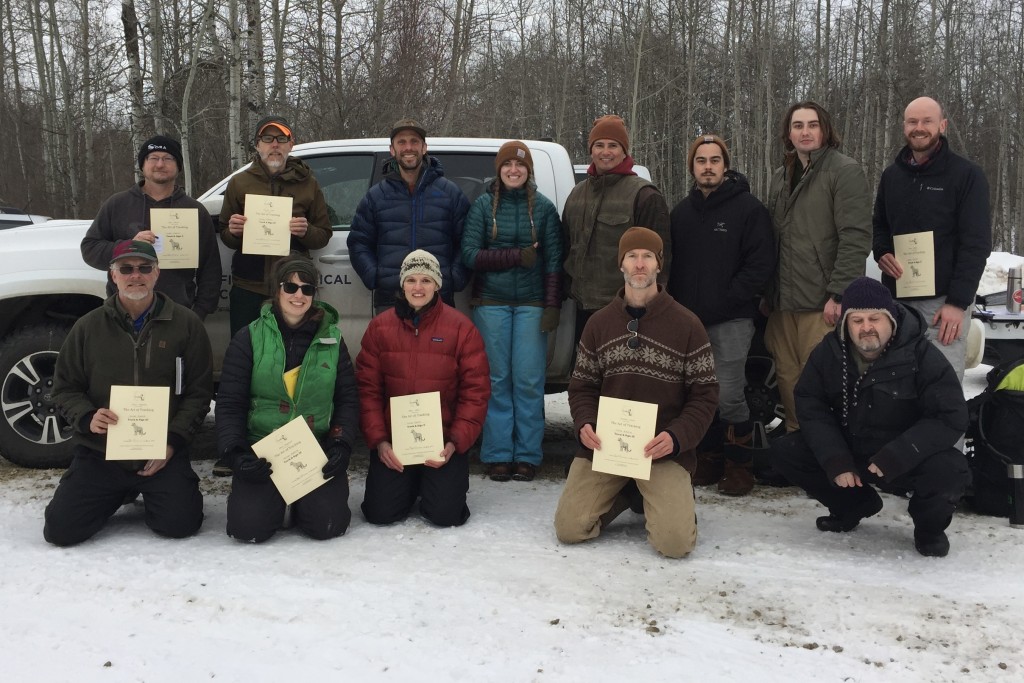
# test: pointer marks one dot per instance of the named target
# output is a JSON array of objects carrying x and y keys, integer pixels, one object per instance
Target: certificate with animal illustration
[
  {"x": 266, "y": 225},
  {"x": 177, "y": 237},
  {"x": 141, "y": 429},
  {"x": 916, "y": 254},
  {"x": 624, "y": 428},
  {"x": 416, "y": 431},
  {"x": 295, "y": 457}
]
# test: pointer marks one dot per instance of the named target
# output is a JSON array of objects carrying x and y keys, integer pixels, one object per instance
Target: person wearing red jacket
[{"x": 421, "y": 345}]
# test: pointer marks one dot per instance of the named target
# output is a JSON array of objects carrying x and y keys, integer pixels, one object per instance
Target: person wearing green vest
[{"x": 290, "y": 361}]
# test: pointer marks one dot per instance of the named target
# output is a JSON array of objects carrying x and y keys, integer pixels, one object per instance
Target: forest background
[{"x": 84, "y": 82}]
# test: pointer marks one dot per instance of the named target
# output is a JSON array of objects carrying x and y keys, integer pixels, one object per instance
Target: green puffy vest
[{"x": 270, "y": 406}]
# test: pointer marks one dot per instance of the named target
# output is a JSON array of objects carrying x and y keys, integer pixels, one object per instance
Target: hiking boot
[
  {"x": 524, "y": 471},
  {"x": 709, "y": 468},
  {"x": 738, "y": 479},
  {"x": 222, "y": 468},
  {"x": 499, "y": 471},
  {"x": 850, "y": 520},
  {"x": 931, "y": 544}
]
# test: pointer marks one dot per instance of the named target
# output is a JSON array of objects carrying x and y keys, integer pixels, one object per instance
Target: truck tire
[{"x": 32, "y": 433}]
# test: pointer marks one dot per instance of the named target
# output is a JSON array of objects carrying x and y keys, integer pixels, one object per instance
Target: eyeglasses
[
  {"x": 291, "y": 288},
  {"x": 145, "y": 269},
  {"x": 272, "y": 138},
  {"x": 159, "y": 160},
  {"x": 634, "y": 341}
]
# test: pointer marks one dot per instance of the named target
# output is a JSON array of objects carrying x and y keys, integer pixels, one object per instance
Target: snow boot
[{"x": 738, "y": 476}]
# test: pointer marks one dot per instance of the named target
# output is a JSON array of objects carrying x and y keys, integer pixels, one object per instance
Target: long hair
[
  {"x": 829, "y": 136},
  {"x": 531, "y": 193}
]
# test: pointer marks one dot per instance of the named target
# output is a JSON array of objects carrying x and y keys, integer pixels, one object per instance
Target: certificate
[
  {"x": 416, "y": 432},
  {"x": 624, "y": 428},
  {"x": 266, "y": 225},
  {"x": 141, "y": 429},
  {"x": 916, "y": 253},
  {"x": 296, "y": 458},
  {"x": 177, "y": 237}
]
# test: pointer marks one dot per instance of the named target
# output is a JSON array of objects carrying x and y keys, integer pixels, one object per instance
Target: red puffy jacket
[{"x": 444, "y": 353}]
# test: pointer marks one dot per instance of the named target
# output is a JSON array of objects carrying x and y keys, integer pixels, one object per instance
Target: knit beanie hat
[
  {"x": 161, "y": 143},
  {"x": 299, "y": 264},
  {"x": 641, "y": 238},
  {"x": 513, "y": 149},
  {"x": 864, "y": 295},
  {"x": 706, "y": 140},
  {"x": 609, "y": 127},
  {"x": 420, "y": 262}
]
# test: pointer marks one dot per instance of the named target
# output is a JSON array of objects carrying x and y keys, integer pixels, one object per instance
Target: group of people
[{"x": 868, "y": 399}]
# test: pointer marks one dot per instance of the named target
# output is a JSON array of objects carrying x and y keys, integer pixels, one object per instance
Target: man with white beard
[
  {"x": 138, "y": 337},
  {"x": 878, "y": 403},
  {"x": 272, "y": 172}
]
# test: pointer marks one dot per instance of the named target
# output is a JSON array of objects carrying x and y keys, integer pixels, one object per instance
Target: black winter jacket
[
  {"x": 948, "y": 196},
  {"x": 907, "y": 406},
  {"x": 723, "y": 252}
]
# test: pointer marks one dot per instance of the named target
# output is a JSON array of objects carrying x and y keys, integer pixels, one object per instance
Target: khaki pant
[
  {"x": 790, "y": 338},
  {"x": 668, "y": 506}
]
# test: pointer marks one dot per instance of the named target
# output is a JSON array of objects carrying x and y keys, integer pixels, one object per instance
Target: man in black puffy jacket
[{"x": 877, "y": 402}]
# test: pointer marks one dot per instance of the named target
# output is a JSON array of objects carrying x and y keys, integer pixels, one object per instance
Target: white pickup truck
[{"x": 45, "y": 286}]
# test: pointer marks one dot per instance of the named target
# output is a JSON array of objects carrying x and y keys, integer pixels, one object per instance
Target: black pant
[
  {"x": 390, "y": 495},
  {"x": 93, "y": 489},
  {"x": 937, "y": 483},
  {"x": 256, "y": 510}
]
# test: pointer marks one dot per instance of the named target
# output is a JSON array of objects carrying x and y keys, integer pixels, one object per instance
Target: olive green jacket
[{"x": 822, "y": 231}]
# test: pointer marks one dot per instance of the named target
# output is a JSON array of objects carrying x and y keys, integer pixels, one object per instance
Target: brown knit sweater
[{"x": 672, "y": 367}]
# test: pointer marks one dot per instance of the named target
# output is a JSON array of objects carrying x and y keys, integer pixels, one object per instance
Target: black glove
[
  {"x": 338, "y": 453},
  {"x": 249, "y": 467}
]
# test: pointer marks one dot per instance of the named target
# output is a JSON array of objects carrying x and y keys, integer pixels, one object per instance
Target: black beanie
[
  {"x": 865, "y": 294},
  {"x": 161, "y": 143}
]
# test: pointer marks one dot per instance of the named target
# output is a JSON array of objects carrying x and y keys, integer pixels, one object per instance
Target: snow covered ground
[{"x": 765, "y": 596}]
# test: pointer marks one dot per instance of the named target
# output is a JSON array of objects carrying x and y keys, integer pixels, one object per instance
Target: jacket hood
[
  {"x": 910, "y": 326},
  {"x": 295, "y": 169},
  {"x": 734, "y": 184}
]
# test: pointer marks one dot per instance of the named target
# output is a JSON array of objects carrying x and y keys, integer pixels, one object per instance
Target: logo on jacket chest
[
  {"x": 720, "y": 227},
  {"x": 437, "y": 340}
]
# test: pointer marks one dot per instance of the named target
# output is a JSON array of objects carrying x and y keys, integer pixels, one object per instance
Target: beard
[
  {"x": 868, "y": 344},
  {"x": 923, "y": 144},
  {"x": 135, "y": 295},
  {"x": 640, "y": 281}
]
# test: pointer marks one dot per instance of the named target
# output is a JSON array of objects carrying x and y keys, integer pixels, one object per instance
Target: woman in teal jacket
[
  {"x": 290, "y": 361},
  {"x": 512, "y": 241}
]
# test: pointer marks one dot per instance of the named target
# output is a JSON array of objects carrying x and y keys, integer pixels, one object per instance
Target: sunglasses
[
  {"x": 291, "y": 288},
  {"x": 145, "y": 269},
  {"x": 633, "y": 326},
  {"x": 271, "y": 138}
]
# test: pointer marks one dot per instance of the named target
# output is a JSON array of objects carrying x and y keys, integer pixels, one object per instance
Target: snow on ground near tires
[{"x": 764, "y": 597}]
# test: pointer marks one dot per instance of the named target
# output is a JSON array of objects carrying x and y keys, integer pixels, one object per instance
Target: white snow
[
  {"x": 994, "y": 277},
  {"x": 764, "y": 597}
]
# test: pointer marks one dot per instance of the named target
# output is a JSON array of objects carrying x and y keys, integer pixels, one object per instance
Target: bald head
[{"x": 923, "y": 124}]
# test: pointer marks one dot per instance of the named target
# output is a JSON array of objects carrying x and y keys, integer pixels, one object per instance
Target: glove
[
  {"x": 338, "y": 453},
  {"x": 549, "y": 319},
  {"x": 528, "y": 256},
  {"x": 249, "y": 467}
]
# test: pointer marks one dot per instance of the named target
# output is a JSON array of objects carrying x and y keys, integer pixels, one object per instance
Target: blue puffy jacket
[{"x": 391, "y": 222}]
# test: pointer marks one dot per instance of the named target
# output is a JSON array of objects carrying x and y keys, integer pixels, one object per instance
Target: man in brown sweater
[{"x": 643, "y": 346}]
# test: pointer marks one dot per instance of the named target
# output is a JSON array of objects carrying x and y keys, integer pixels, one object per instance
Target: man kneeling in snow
[
  {"x": 643, "y": 346},
  {"x": 878, "y": 402}
]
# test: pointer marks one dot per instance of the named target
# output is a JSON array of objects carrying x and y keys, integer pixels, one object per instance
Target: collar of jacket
[
  {"x": 655, "y": 306},
  {"x": 936, "y": 162},
  {"x": 295, "y": 169},
  {"x": 625, "y": 167},
  {"x": 158, "y": 311}
]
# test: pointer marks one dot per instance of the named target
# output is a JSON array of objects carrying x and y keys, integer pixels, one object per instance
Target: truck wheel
[
  {"x": 32, "y": 434},
  {"x": 762, "y": 394}
]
